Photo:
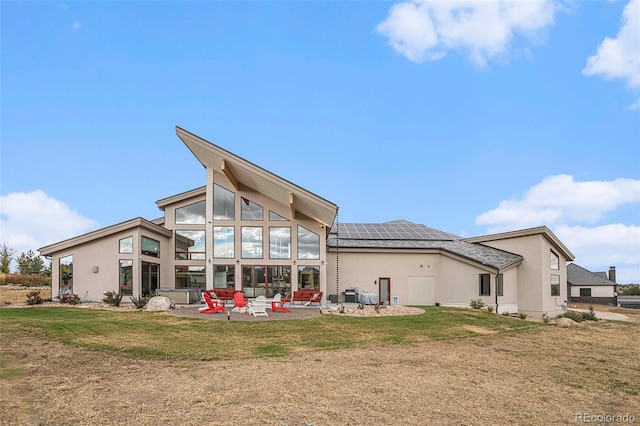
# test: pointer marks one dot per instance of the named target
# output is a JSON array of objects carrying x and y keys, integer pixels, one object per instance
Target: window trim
[
  {"x": 555, "y": 288},
  {"x": 488, "y": 283}
]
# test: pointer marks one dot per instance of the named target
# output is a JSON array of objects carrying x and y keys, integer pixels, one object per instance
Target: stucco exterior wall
[
  {"x": 534, "y": 274},
  {"x": 364, "y": 269},
  {"x": 104, "y": 253}
]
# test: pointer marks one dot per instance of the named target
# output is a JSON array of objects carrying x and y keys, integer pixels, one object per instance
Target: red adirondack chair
[
  {"x": 277, "y": 305},
  {"x": 213, "y": 305},
  {"x": 239, "y": 301}
]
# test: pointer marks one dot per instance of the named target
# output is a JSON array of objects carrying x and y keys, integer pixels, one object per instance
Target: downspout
[{"x": 498, "y": 273}]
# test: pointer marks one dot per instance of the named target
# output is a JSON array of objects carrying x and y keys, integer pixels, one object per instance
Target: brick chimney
[{"x": 612, "y": 273}]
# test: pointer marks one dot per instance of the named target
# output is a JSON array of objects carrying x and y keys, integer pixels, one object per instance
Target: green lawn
[{"x": 157, "y": 335}]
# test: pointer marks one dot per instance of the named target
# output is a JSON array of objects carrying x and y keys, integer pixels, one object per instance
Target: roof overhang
[
  {"x": 245, "y": 175},
  {"x": 105, "y": 232},
  {"x": 541, "y": 230}
]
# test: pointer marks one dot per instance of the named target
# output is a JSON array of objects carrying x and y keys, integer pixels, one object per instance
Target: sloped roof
[
  {"x": 105, "y": 232},
  {"x": 577, "y": 275},
  {"x": 243, "y": 173},
  {"x": 540, "y": 230},
  {"x": 402, "y": 234}
]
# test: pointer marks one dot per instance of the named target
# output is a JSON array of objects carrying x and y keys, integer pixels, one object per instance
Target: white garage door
[{"x": 421, "y": 291}]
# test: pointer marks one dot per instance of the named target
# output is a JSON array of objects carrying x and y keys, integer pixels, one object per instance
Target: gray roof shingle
[{"x": 577, "y": 275}]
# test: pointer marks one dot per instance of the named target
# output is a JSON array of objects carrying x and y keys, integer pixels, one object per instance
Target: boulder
[
  {"x": 566, "y": 322},
  {"x": 158, "y": 304}
]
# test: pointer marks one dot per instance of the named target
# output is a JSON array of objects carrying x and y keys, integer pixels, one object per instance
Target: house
[
  {"x": 585, "y": 286},
  {"x": 250, "y": 230}
]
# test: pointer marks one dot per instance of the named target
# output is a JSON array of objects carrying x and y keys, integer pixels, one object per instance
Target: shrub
[
  {"x": 31, "y": 280},
  {"x": 139, "y": 302},
  {"x": 573, "y": 315},
  {"x": 70, "y": 298},
  {"x": 476, "y": 303},
  {"x": 112, "y": 298},
  {"x": 505, "y": 314},
  {"x": 590, "y": 316},
  {"x": 33, "y": 298},
  {"x": 490, "y": 309},
  {"x": 522, "y": 315},
  {"x": 545, "y": 318}
]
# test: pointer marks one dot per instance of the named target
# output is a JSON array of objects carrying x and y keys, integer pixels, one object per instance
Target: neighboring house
[
  {"x": 250, "y": 230},
  {"x": 585, "y": 286}
]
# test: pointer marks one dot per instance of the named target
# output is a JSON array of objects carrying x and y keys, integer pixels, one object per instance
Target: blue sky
[{"x": 469, "y": 117}]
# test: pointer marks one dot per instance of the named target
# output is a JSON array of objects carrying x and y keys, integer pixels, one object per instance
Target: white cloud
[
  {"x": 484, "y": 30},
  {"x": 30, "y": 220},
  {"x": 75, "y": 26},
  {"x": 565, "y": 206},
  {"x": 559, "y": 199},
  {"x": 620, "y": 57},
  {"x": 599, "y": 247}
]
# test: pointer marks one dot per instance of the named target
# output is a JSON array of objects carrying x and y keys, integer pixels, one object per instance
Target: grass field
[{"x": 447, "y": 366}]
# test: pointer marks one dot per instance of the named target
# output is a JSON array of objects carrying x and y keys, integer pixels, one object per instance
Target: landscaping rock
[
  {"x": 566, "y": 322},
  {"x": 158, "y": 304}
]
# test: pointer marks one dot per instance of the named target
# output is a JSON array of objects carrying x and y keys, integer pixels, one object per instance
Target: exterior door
[
  {"x": 385, "y": 290},
  {"x": 150, "y": 277}
]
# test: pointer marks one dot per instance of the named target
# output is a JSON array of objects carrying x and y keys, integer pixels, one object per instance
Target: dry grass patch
[
  {"x": 17, "y": 295},
  {"x": 538, "y": 375}
]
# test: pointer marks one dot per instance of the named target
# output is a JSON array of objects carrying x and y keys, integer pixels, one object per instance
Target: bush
[
  {"x": 476, "y": 303},
  {"x": 33, "y": 298},
  {"x": 545, "y": 318},
  {"x": 522, "y": 315},
  {"x": 32, "y": 280},
  {"x": 490, "y": 309},
  {"x": 70, "y": 298},
  {"x": 590, "y": 316},
  {"x": 112, "y": 298},
  {"x": 139, "y": 302}
]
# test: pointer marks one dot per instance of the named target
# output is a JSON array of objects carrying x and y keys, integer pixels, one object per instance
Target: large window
[
  {"x": 555, "y": 285},
  {"x": 224, "y": 202},
  {"x": 126, "y": 245},
  {"x": 309, "y": 277},
  {"x": 252, "y": 242},
  {"x": 499, "y": 285},
  {"x": 190, "y": 277},
  {"x": 224, "y": 276},
  {"x": 554, "y": 260},
  {"x": 276, "y": 216},
  {"x": 126, "y": 277},
  {"x": 485, "y": 285},
  {"x": 308, "y": 244},
  {"x": 223, "y": 241},
  {"x": 193, "y": 214},
  {"x": 278, "y": 280},
  {"x": 189, "y": 245},
  {"x": 279, "y": 243},
  {"x": 254, "y": 281},
  {"x": 66, "y": 274},
  {"x": 250, "y": 210},
  {"x": 150, "y": 247}
]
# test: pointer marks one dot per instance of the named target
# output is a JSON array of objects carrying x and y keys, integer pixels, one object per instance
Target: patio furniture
[
  {"x": 258, "y": 308},
  {"x": 239, "y": 301},
  {"x": 277, "y": 304},
  {"x": 307, "y": 296},
  {"x": 213, "y": 305},
  {"x": 223, "y": 293}
]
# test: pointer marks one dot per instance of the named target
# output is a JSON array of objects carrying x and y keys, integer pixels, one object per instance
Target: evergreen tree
[{"x": 30, "y": 263}]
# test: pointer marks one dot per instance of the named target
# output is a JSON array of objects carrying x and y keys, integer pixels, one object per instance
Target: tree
[
  {"x": 30, "y": 263},
  {"x": 6, "y": 256}
]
